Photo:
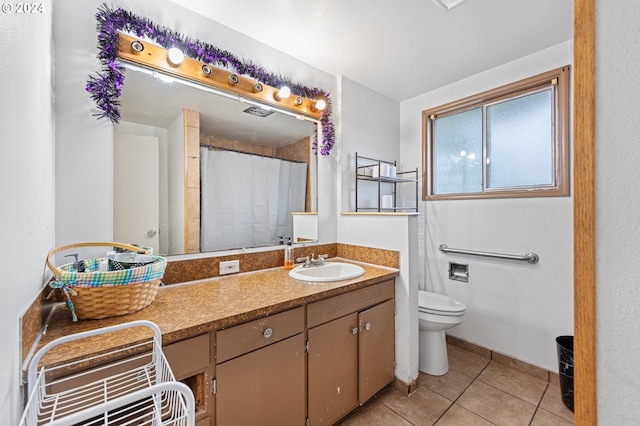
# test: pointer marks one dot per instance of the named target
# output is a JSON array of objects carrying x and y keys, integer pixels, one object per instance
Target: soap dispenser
[{"x": 288, "y": 255}]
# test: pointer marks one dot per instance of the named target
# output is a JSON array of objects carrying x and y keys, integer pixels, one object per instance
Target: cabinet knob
[
  {"x": 267, "y": 333},
  {"x": 367, "y": 326},
  {"x": 354, "y": 330}
]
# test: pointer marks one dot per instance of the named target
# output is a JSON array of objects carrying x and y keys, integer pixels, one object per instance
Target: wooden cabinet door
[
  {"x": 264, "y": 387},
  {"x": 377, "y": 349},
  {"x": 333, "y": 370}
]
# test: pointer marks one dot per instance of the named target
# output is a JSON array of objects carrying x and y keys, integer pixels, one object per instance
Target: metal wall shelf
[{"x": 384, "y": 173}]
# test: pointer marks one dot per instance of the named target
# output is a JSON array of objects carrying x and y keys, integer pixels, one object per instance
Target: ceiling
[{"x": 400, "y": 48}]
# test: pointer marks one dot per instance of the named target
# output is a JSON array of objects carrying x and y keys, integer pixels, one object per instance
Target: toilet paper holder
[{"x": 459, "y": 272}]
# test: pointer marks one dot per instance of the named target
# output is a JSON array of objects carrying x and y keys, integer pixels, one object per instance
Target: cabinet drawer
[
  {"x": 344, "y": 304},
  {"x": 256, "y": 334},
  {"x": 188, "y": 356}
]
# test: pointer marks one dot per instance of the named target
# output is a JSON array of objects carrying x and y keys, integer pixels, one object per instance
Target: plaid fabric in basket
[{"x": 93, "y": 277}]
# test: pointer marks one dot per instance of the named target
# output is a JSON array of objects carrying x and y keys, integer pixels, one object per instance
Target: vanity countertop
[{"x": 190, "y": 309}]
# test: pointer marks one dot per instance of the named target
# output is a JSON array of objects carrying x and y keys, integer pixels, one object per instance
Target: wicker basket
[{"x": 96, "y": 294}]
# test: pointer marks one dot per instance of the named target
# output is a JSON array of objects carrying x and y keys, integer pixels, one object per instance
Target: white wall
[
  {"x": 393, "y": 233},
  {"x": 84, "y": 144},
  {"x": 513, "y": 308},
  {"x": 26, "y": 184},
  {"x": 370, "y": 123},
  {"x": 617, "y": 155}
]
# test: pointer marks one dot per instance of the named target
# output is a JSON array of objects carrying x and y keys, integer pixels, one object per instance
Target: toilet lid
[{"x": 439, "y": 302}]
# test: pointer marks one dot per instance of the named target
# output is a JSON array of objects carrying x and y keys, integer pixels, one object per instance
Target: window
[{"x": 507, "y": 142}]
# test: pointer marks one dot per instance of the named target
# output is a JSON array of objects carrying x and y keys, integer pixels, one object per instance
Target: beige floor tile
[
  {"x": 457, "y": 416},
  {"x": 499, "y": 395},
  {"x": 450, "y": 385},
  {"x": 495, "y": 405},
  {"x": 465, "y": 362},
  {"x": 423, "y": 407},
  {"x": 544, "y": 418},
  {"x": 374, "y": 413},
  {"x": 514, "y": 382},
  {"x": 552, "y": 402}
]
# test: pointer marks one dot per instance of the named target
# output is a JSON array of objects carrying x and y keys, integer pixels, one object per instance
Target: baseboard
[{"x": 516, "y": 364}]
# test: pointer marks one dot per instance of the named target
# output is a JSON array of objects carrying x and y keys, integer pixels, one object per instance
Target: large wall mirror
[{"x": 198, "y": 171}]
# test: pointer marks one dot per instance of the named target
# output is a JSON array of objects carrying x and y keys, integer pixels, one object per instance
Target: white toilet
[{"x": 436, "y": 313}]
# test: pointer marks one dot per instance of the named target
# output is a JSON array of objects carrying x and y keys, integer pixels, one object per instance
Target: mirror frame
[{"x": 105, "y": 86}]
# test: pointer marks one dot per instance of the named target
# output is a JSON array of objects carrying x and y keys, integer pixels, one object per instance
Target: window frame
[{"x": 560, "y": 79}]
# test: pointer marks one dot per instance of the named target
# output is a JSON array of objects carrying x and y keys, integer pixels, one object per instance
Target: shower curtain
[{"x": 247, "y": 200}]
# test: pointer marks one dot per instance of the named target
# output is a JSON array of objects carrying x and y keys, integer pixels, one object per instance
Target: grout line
[
  {"x": 394, "y": 411},
  {"x": 508, "y": 393},
  {"x": 463, "y": 391},
  {"x": 539, "y": 402}
]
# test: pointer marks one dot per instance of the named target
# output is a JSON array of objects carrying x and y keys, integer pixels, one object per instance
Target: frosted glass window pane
[
  {"x": 457, "y": 153},
  {"x": 520, "y": 142}
]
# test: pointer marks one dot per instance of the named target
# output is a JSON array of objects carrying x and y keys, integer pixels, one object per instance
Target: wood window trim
[{"x": 510, "y": 90}]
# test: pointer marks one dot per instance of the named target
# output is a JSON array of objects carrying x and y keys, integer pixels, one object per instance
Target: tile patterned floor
[{"x": 475, "y": 391}]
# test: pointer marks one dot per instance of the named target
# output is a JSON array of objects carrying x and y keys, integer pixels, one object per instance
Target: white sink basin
[{"x": 330, "y": 271}]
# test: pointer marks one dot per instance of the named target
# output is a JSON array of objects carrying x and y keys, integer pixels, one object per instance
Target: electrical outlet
[{"x": 229, "y": 267}]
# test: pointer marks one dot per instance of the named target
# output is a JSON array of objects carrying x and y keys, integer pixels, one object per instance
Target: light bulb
[
  {"x": 320, "y": 105},
  {"x": 175, "y": 56},
  {"x": 283, "y": 92}
]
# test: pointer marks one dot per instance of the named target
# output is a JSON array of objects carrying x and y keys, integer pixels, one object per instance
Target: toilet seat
[{"x": 439, "y": 304}]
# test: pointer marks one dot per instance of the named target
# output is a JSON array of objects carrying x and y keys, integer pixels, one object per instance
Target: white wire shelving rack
[{"x": 132, "y": 385}]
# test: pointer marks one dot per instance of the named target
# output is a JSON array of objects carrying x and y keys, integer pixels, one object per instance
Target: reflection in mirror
[
  {"x": 305, "y": 227},
  {"x": 200, "y": 171}
]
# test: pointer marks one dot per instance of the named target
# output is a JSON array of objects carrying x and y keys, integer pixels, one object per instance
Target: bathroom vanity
[{"x": 264, "y": 348}]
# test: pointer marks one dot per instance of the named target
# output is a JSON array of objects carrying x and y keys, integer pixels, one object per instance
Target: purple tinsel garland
[{"x": 105, "y": 86}]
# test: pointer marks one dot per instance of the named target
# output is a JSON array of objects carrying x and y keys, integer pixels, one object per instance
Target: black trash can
[{"x": 564, "y": 345}]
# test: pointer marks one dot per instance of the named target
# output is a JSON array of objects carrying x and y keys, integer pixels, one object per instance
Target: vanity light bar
[
  {"x": 211, "y": 89},
  {"x": 155, "y": 58}
]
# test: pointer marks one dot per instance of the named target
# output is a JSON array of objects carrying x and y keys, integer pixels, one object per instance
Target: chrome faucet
[
  {"x": 306, "y": 261},
  {"x": 313, "y": 261},
  {"x": 319, "y": 260}
]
